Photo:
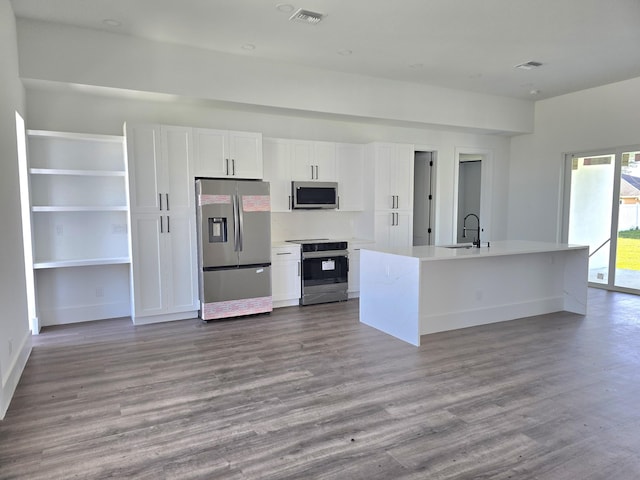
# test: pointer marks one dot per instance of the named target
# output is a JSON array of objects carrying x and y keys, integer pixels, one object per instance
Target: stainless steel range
[{"x": 325, "y": 268}]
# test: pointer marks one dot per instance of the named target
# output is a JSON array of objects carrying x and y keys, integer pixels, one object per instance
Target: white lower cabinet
[
  {"x": 285, "y": 275},
  {"x": 164, "y": 278},
  {"x": 354, "y": 267}
]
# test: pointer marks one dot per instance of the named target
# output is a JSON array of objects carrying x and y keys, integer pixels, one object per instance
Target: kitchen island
[{"x": 415, "y": 291}]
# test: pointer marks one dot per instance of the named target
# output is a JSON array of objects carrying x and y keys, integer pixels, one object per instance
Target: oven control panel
[{"x": 324, "y": 246}]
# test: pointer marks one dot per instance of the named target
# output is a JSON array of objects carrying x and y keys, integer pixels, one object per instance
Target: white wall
[
  {"x": 14, "y": 331},
  {"x": 593, "y": 119},
  {"x": 81, "y": 56}
]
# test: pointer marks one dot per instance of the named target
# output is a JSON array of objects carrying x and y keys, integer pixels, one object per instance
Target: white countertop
[{"x": 498, "y": 248}]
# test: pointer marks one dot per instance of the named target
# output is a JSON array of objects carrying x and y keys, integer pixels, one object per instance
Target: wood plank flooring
[{"x": 310, "y": 393}]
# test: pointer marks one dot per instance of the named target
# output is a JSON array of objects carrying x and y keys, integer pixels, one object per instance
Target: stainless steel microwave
[{"x": 314, "y": 195}]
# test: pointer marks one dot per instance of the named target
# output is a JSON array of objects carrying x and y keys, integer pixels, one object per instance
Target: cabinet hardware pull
[
  {"x": 161, "y": 225},
  {"x": 283, "y": 253},
  {"x": 317, "y": 176},
  {"x": 160, "y": 198},
  {"x": 312, "y": 172},
  {"x": 290, "y": 202},
  {"x": 167, "y": 195},
  {"x": 168, "y": 224},
  {"x": 226, "y": 160},
  {"x": 233, "y": 167}
]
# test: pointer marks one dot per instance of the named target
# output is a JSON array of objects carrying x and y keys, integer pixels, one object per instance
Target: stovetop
[{"x": 320, "y": 244}]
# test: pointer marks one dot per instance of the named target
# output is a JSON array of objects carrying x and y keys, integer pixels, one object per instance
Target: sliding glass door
[{"x": 603, "y": 211}]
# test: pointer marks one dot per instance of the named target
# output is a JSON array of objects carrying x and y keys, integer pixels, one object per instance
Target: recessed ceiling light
[
  {"x": 345, "y": 52},
  {"x": 285, "y": 7},
  {"x": 110, "y": 22},
  {"x": 248, "y": 46},
  {"x": 529, "y": 65},
  {"x": 307, "y": 16},
  {"x": 534, "y": 92}
]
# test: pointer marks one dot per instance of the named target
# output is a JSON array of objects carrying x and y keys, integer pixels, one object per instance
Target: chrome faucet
[{"x": 476, "y": 241}]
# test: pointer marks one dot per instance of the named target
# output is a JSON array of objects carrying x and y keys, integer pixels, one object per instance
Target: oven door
[{"x": 322, "y": 268}]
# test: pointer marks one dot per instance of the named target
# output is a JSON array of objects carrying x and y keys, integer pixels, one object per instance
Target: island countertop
[
  {"x": 498, "y": 248},
  {"x": 416, "y": 291}
]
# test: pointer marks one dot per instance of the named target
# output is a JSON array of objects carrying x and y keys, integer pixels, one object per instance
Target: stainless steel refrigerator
[{"x": 234, "y": 247}]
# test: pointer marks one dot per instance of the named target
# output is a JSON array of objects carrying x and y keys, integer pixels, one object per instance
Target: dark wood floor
[{"x": 309, "y": 393}]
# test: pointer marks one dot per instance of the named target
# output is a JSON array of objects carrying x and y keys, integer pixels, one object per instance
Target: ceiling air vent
[
  {"x": 306, "y": 16},
  {"x": 529, "y": 65}
]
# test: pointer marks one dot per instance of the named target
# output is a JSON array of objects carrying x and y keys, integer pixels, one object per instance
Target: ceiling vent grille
[
  {"x": 306, "y": 16},
  {"x": 529, "y": 65}
]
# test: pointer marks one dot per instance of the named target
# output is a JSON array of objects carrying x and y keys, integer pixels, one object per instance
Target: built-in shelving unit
[{"x": 79, "y": 205}]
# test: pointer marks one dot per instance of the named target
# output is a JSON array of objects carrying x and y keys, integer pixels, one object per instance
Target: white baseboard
[
  {"x": 169, "y": 317},
  {"x": 15, "y": 372},
  {"x": 84, "y": 313},
  {"x": 286, "y": 303}
]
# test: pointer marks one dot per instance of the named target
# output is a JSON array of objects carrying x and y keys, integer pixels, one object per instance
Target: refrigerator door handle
[
  {"x": 236, "y": 220},
  {"x": 241, "y": 223}
]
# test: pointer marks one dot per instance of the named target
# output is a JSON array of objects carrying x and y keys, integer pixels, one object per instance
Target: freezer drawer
[{"x": 235, "y": 292}]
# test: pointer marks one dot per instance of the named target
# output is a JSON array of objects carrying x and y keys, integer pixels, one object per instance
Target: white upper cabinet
[
  {"x": 277, "y": 171},
  {"x": 313, "y": 161},
  {"x": 227, "y": 154},
  {"x": 350, "y": 168}
]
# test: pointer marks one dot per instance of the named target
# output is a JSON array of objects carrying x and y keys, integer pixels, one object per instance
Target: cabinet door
[
  {"x": 147, "y": 251},
  {"x": 285, "y": 279},
  {"x": 245, "y": 151},
  {"x": 401, "y": 232},
  {"x": 302, "y": 165},
  {"x": 324, "y": 159},
  {"x": 354, "y": 270},
  {"x": 178, "y": 166},
  {"x": 277, "y": 171},
  {"x": 403, "y": 176},
  {"x": 350, "y": 168},
  {"x": 211, "y": 154},
  {"x": 145, "y": 166},
  {"x": 384, "y": 155},
  {"x": 180, "y": 267},
  {"x": 382, "y": 227}
]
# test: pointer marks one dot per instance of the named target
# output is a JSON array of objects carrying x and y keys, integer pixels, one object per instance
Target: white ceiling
[{"x": 462, "y": 44}]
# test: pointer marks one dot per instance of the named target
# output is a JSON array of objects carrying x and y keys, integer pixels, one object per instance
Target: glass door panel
[
  {"x": 627, "y": 268},
  {"x": 590, "y": 211}
]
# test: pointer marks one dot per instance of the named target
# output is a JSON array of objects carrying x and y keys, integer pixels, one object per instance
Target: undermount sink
[{"x": 459, "y": 245}]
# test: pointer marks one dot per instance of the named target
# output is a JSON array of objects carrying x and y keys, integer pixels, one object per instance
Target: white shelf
[
  {"x": 80, "y": 226},
  {"x": 74, "y": 172},
  {"x": 79, "y": 208},
  {"x": 76, "y": 136},
  {"x": 81, "y": 262}
]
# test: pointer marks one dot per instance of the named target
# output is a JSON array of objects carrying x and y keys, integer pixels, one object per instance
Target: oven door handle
[{"x": 325, "y": 254}]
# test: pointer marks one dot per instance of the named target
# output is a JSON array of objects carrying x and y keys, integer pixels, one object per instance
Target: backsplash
[{"x": 312, "y": 224}]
